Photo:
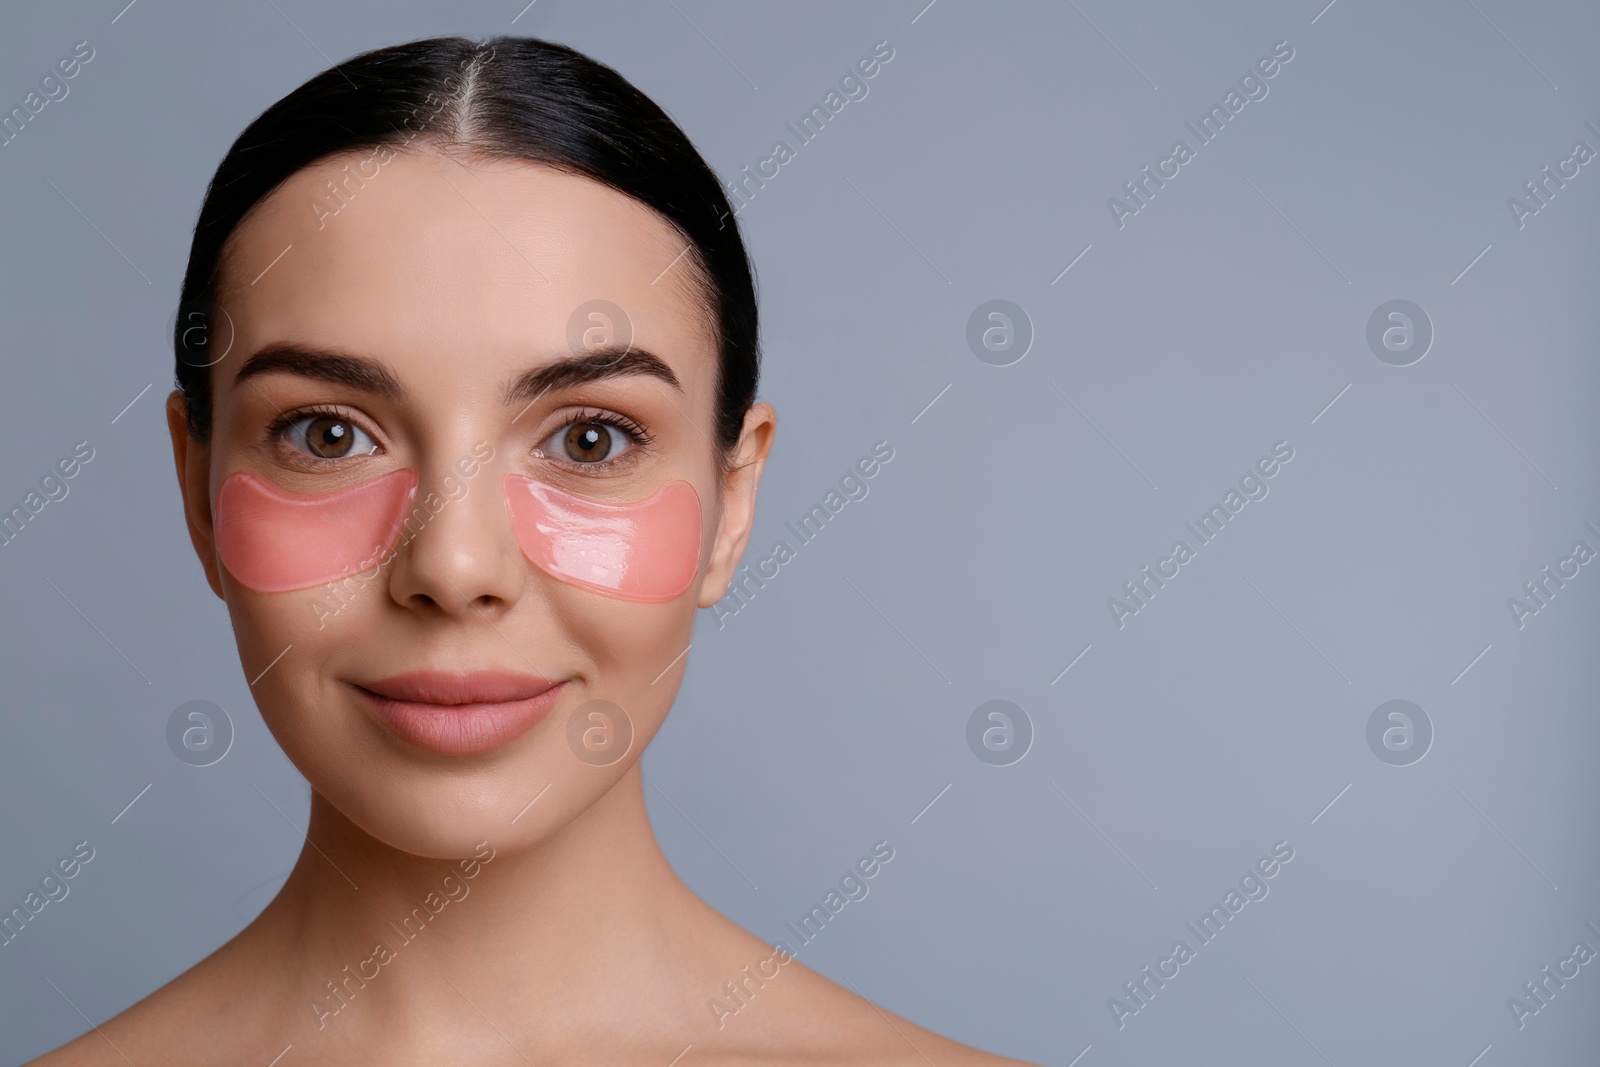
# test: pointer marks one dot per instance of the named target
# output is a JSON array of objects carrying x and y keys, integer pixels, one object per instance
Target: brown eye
[
  {"x": 330, "y": 437},
  {"x": 591, "y": 442}
]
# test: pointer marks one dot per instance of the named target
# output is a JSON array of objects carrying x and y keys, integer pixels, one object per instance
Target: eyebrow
[
  {"x": 599, "y": 364},
  {"x": 371, "y": 376},
  {"x": 322, "y": 364}
]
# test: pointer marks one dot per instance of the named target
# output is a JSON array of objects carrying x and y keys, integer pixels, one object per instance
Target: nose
[{"x": 457, "y": 552}]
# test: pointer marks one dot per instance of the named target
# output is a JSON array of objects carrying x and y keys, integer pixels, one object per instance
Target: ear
[
  {"x": 193, "y": 461},
  {"x": 738, "y": 510}
]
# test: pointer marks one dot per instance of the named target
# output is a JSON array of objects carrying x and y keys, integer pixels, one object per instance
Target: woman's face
[{"x": 391, "y": 329}]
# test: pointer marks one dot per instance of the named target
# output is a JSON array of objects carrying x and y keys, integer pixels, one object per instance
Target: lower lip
[{"x": 461, "y": 729}]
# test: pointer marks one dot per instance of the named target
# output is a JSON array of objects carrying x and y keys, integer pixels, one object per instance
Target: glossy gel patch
[
  {"x": 649, "y": 550},
  {"x": 273, "y": 541}
]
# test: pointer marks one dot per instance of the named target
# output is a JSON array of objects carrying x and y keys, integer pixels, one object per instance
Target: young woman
[{"x": 465, "y": 429}]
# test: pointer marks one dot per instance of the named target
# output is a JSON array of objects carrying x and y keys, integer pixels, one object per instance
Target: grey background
[{"x": 830, "y": 711}]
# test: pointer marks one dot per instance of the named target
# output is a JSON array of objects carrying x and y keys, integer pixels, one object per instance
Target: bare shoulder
[
  {"x": 143, "y": 1030},
  {"x": 897, "y": 1040},
  {"x": 108, "y": 1043},
  {"x": 914, "y": 1045},
  {"x": 801, "y": 1016},
  {"x": 171, "y": 1025}
]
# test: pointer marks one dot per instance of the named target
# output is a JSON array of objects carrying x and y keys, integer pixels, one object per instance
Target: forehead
[{"x": 419, "y": 254}]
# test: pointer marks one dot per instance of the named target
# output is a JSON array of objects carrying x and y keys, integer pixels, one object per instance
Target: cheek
[
  {"x": 273, "y": 542},
  {"x": 646, "y": 551}
]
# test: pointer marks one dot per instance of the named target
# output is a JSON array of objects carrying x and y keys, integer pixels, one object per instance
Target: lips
[{"x": 459, "y": 713}]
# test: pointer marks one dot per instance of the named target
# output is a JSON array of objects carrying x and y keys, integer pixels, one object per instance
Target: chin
[{"x": 426, "y": 803}]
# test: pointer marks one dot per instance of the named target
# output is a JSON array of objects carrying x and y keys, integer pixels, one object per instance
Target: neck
[{"x": 588, "y": 927}]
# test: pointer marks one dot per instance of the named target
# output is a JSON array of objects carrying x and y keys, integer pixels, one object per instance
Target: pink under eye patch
[
  {"x": 649, "y": 550},
  {"x": 273, "y": 541}
]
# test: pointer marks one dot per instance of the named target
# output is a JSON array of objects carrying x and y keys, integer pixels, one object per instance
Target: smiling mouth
[{"x": 459, "y": 713}]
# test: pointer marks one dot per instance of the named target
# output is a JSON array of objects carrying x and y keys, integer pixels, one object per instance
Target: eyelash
[
  {"x": 277, "y": 428},
  {"x": 637, "y": 436}
]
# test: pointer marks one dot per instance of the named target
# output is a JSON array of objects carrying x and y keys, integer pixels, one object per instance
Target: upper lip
[{"x": 459, "y": 687}]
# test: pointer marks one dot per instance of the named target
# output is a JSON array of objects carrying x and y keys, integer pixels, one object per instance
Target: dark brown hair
[{"x": 517, "y": 98}]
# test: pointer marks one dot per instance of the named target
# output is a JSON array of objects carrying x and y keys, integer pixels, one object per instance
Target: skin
[{"x": 577, "y": 943}]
